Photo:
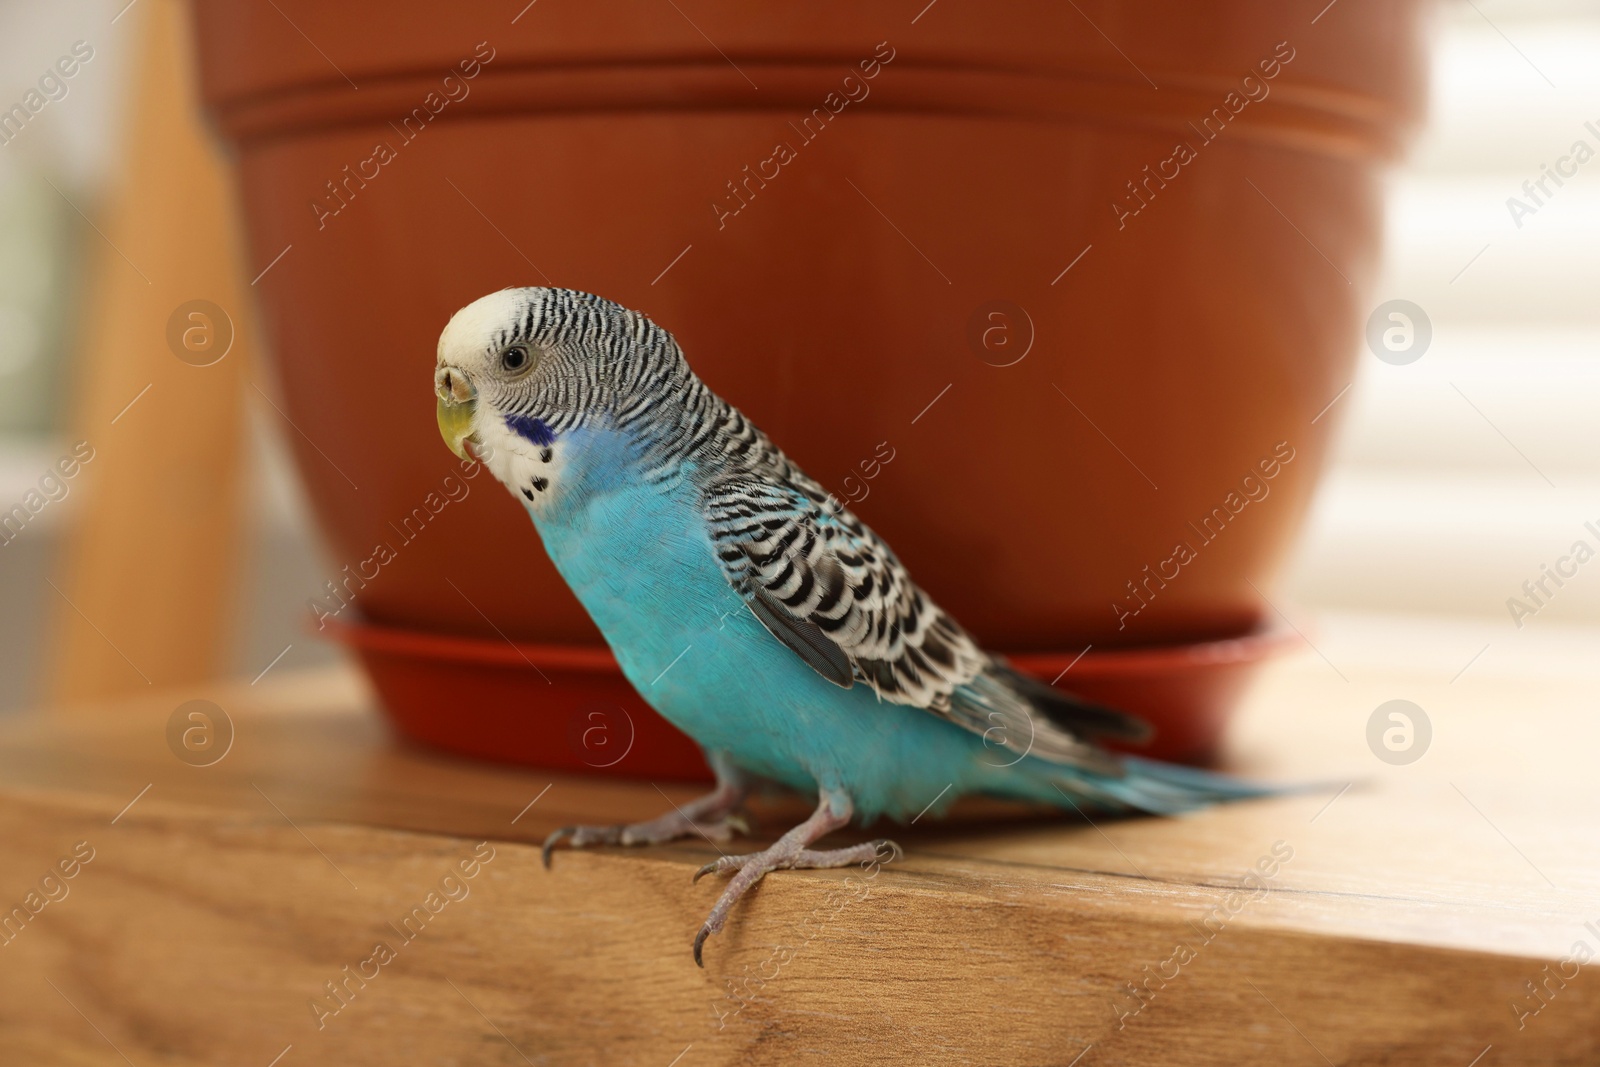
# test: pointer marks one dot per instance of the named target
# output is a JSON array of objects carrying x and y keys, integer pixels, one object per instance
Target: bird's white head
[
  {"x": 553, "y": 356},
  {"x": 518, "y": 367}
]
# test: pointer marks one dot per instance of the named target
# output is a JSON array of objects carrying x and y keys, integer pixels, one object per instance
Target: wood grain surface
[{"x": 1400, "y": 920}]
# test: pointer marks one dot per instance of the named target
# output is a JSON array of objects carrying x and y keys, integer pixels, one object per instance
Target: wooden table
[{"x": 1402, "y": 921}]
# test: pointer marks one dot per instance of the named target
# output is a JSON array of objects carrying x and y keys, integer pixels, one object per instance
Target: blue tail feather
[
  {"x": 1146, "y": 785},
  {"x": 1169, "y": 788}
]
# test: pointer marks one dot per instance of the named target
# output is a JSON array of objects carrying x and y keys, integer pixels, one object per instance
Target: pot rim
[{"x": 1271, "y": 635}]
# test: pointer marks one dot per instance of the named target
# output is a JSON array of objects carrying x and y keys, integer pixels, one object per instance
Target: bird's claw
[
  {"x": 895, "y": 851},
  {"x": 581, "y": 836},
  {"x": 782, "y": 856},
  {"x": 550, "y": 844}
]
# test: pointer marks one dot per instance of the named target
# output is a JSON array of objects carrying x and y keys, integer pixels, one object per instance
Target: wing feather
[
  {"x": 805, "y": 638},
  {"x": 832, "y": 591}
]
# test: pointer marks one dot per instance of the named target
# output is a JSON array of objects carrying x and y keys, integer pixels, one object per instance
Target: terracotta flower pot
[{"x": 1055, "y": 294}]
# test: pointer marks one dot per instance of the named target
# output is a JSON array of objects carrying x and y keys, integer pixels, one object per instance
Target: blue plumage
[
  {"x": 638, "y": 554},
  {"x": 745, "y": 605}
]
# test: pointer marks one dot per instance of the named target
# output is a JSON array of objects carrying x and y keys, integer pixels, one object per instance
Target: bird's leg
[
  {"x": 790, "y": 851},
  {"x": 714, "y": 816}
]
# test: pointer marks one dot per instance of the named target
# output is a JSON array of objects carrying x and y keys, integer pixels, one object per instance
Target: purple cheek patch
[{"x": 530, "y": 428}]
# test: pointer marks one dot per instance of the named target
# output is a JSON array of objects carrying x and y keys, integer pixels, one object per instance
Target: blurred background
[{"x": 1456, "y": 478}]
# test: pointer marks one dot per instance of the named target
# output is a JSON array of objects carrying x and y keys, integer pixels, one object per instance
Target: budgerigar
[{"x": 748, "y": 607}]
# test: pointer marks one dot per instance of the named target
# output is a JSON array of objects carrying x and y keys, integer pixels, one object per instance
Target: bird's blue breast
[{"x": 639, "y": 556}]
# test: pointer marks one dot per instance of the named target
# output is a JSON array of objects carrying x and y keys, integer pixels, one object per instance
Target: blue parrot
[{"x": 750, "y": 608}]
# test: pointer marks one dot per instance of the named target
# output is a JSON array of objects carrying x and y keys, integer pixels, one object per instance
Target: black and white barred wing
[
  {"x": 823, "y": 581},
  {"x": 830, "y": 589}
]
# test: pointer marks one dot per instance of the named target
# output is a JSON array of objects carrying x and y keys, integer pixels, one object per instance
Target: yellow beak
[
  {"x": 455, "y": 424},
  {"x": 457, "y": 406}
]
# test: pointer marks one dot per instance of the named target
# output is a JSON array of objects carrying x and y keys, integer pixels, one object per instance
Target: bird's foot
[
  {"x": 789, "y": 853},
  {"x": 711, "y": 817},
  {"x": 715, "y": 817}
]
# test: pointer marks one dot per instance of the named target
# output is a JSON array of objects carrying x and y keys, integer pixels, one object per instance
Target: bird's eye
[{"x": 514, "y": 359}]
